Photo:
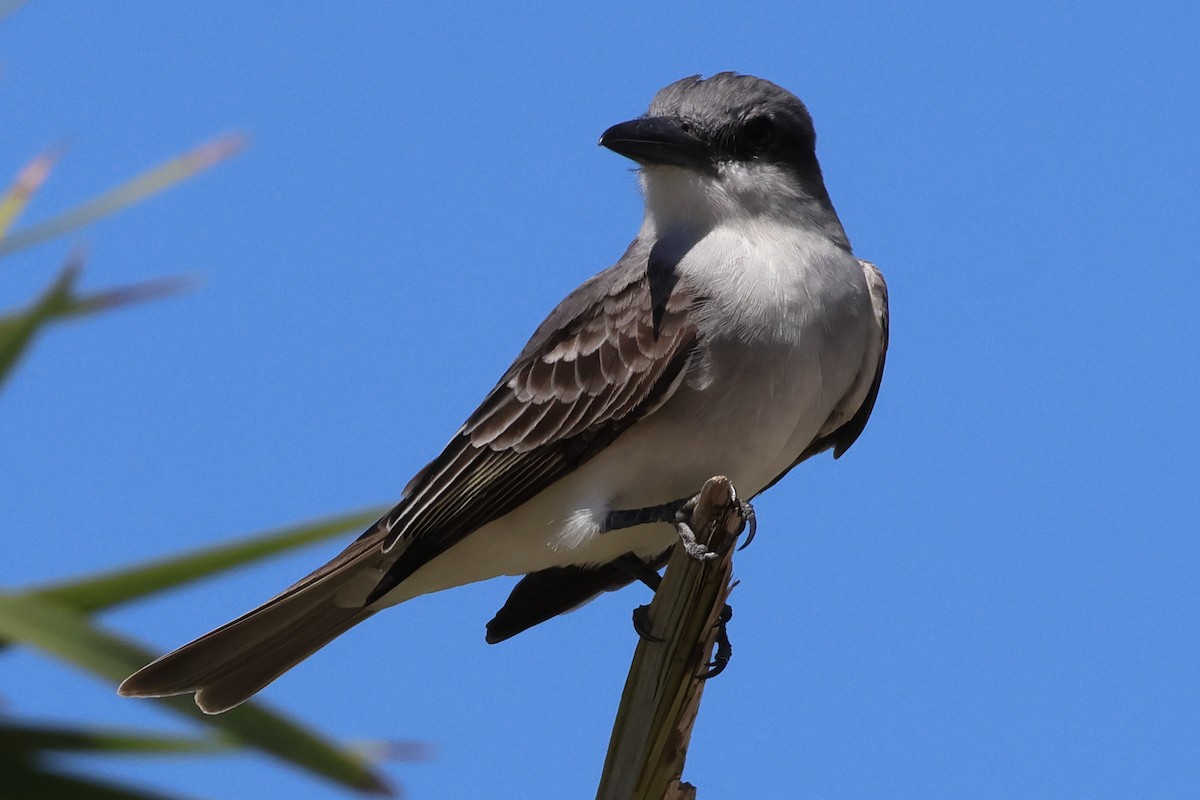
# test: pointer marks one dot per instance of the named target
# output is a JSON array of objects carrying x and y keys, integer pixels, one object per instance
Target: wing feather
[{"x": 591, "y": 370}]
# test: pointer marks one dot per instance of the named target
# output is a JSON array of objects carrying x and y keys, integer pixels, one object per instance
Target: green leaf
[
  {"x": 108, "y": 589},
  {"x": 68, "y": 635},
  {"x": 28, "y": 781},
  {"x": 18, "y": 738},
  {"x": 149, "y": 182},
  {"x": 59, "y": 301},
  {"x": 84, "y": 305},
  {"x": 18, "y": 330}
]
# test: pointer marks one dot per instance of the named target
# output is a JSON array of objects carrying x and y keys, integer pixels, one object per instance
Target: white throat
[{"x": 680, "y": 200}]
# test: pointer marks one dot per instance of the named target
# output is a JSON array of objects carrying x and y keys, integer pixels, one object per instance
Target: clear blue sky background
[{"x": 994, "y": 594}]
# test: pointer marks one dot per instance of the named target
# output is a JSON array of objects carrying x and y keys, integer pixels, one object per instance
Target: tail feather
[
  {"x": 256, "y": 669},
  {"x": 228, "y": 665}
]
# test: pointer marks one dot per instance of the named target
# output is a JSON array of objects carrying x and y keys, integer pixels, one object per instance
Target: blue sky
[{"x": 992, "y": 595}]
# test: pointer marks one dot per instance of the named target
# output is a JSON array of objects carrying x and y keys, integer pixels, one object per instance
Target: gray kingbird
[{"x": 738, "y": 335}]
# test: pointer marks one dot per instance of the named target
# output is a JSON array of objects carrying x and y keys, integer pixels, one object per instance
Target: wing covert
[{"x": 593, "y": 368}]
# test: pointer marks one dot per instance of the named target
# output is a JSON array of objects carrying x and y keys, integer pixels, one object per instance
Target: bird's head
[{"x": 724, "y": 148}]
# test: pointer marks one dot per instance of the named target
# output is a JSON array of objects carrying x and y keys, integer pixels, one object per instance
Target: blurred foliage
[{"x": 56, "y": 619}]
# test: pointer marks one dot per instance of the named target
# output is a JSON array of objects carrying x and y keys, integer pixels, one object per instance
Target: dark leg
[
  {"x": 645, "y": 573},
  {"x": 640, "y": 570},
  {"x": 677, "y": 512},
  {"x": 627, "y": 518}
]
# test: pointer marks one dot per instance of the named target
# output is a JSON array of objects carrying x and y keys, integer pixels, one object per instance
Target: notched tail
[{"x": 225, "y": 667}]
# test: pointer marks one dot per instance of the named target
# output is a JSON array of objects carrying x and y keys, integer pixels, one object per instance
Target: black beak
[{"x": 663, "y": 141}]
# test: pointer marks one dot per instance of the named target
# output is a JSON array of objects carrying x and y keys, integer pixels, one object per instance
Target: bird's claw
[
  {"x": 642, "y": 624},
  {"x": 724, "y": 648},
  {"x": 749, "y": 522}
]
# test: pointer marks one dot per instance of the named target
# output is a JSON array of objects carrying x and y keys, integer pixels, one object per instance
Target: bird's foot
[
  {"x": 683, "y": 517},
  {"x": 642, "y": 624},
  {"x": 724, "y": 648},
  {"x": 683, "y": 527},
  {"x": 679, "y": 514}
]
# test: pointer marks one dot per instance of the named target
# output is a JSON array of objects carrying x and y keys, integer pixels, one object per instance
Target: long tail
[{"x": 228, "y": 665}]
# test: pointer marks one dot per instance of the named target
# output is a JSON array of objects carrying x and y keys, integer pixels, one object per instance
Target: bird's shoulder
[
  {"x": 596, "y": 357},
  {"x": 596, "y": 365}
]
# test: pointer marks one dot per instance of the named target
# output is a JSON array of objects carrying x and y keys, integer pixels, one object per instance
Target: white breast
[{"x": 786, "y": 327}]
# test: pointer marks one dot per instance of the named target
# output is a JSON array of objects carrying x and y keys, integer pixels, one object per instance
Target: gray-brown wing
[{"x": 597, "y": 365}]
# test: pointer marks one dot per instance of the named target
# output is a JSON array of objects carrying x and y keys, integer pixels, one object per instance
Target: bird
[{"x": 737, "y": 335}]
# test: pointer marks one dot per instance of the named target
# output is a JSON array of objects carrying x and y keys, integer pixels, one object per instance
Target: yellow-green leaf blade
[
  {"x": 149, "y": 182},
  {"x": 108, "y": 589},
  {"x": 18, "y": 738},
  {"x": 69, "y": 636}
]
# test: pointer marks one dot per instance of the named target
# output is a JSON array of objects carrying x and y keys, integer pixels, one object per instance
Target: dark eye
[{"x": 758, "y": 131}]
